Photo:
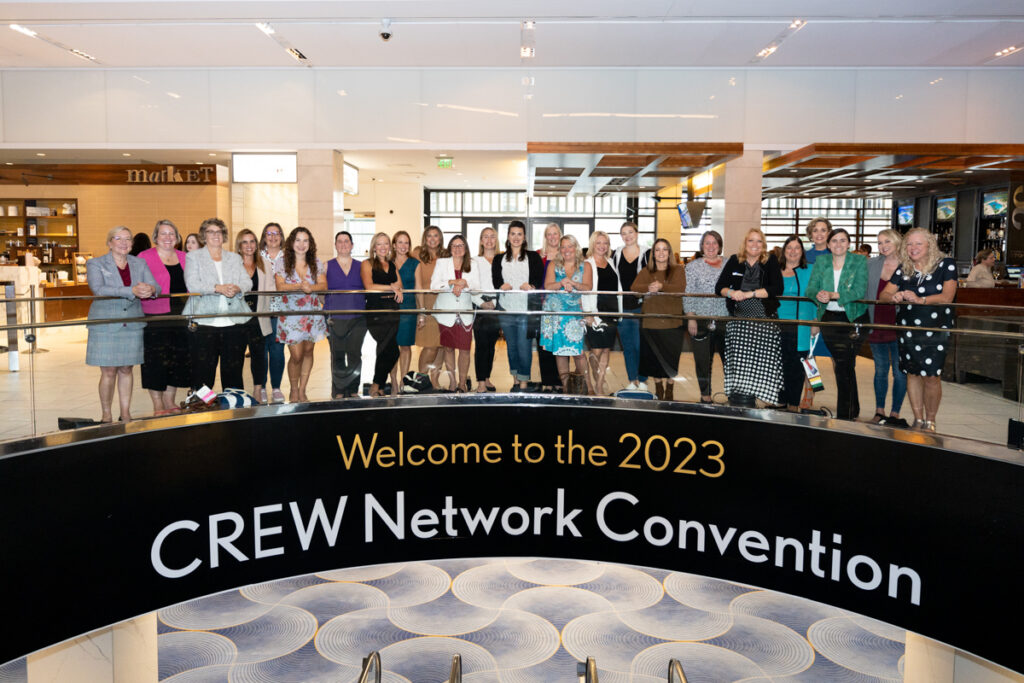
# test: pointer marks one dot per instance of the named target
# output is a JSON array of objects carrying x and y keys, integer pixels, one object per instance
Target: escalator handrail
[
  {"x": 675, "y": 672},
  {"x": 371, "y": 659}
]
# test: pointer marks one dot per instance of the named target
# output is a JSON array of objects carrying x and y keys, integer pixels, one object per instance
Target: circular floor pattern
[
  {"x": 846, "y": 643},
  {"x": 216, "y": 611},
  {"x": 519, "y": 620},
  {"x": 185, "y": 650}
]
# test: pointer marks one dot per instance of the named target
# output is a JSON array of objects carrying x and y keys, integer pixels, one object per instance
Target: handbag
[{"x": 810, "y": 365}]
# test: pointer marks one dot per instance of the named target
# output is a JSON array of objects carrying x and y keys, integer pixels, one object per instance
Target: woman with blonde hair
[
  {"x": 428, "y": 335},
  {"x": 562, "y": 335},
  {"x": 884, "y": 349},
  {"x": 486, "y": 328},
  {"x": 380, "y": 275},
  {"x": 256, "y": 329},
  {"x": 606, "y": 279},
  {"x": 981, "y": 274},
  {"x": 924, "y": 285},
  {"x": 751, "y": 283}
]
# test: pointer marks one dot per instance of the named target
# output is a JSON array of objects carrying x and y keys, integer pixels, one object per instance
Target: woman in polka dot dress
[{"x": 925, "y": 285}]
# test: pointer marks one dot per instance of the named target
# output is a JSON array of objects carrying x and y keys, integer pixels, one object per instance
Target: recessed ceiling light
[
  {"x": 173, "y": 95},
  {"x": 529, "y": 24},
  {"x": 126, "y": 154},
  {"x": 342, "y": 93},
  {"x": 527, "y": 52},
  {"x": 198, "y": 163},
  {"x": 21, "y": 29},
  {"x": 40, "y": 154},
  {"x": 266, "y": 28},
  {"x": 558, "y": 170},
  {"x": 919, "y": 180},
  {"x": 82, "y": 55},
  {"x": 968, "y": 171},
  {"x": 212, "y": 154},
  {"x": 9, "y": 163}
]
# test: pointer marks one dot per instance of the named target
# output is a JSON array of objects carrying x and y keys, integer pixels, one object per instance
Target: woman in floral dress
[
  {"x": 560, "y": 334},
  {"x": 299, "y": 275}
]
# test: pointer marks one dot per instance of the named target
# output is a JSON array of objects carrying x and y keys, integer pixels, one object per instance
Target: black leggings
[{"x": 485, "y": 333}]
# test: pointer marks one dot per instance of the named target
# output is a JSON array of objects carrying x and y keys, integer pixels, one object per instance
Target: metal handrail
[
  {"x": 372, "y": 659},
  {"x": 456, "y": 673},
  {"x": 675, "y": 672},
  {"x": 587, "y": 670}
]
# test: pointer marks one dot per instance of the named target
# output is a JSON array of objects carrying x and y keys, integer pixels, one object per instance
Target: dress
[
  {"x": 607, "y": 280},
  {"x": 924, "y": 353},
  {"x": 428, "y": 336},
  {"x": 563, "y": 335},
  {"x": 292, "y": 329},
  {"x": 407, "y": 323}
]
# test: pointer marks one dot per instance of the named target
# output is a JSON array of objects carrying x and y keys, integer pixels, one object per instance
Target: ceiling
[
  {"x": 880, "y": 170},
  {"x": 470, "y": 33},
  {"x": 560, "y": 169}
]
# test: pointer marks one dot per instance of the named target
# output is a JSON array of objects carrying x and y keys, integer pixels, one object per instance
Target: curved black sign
[{"x": 901, "y": 529}]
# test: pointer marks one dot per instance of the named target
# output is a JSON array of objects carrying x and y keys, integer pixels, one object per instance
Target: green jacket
[{"x": 853, "y": 284}]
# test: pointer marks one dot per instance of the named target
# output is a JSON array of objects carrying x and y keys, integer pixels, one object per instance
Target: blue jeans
[
  {"x": 629, "y": 335},
  {"x": 275, "y": 352},
  {"x": 887, "y": 355},
  {"x": 520, "y": 355}
]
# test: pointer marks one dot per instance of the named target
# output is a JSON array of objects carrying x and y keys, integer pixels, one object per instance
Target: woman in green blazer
[{"x": 839, "y": 283}]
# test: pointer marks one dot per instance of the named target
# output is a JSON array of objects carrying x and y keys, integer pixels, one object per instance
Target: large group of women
[{"x": 733, "y": 303}]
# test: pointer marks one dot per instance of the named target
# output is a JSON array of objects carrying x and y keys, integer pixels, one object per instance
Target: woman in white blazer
[
  {"x": 454, "y": 277},
  {"x": 256, "y": 328},
  {"x": 217, "y": 274}
]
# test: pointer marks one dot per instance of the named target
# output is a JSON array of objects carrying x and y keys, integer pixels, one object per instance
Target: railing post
[{"x": 12, "y": 319}]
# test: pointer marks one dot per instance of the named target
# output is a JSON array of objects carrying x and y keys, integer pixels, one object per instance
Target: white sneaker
[
  {"x": 631, "y": 386},
  {"x": 642, "y": 386}
]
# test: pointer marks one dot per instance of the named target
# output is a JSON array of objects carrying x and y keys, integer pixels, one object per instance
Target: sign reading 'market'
[{"x": 170, "y": 175}]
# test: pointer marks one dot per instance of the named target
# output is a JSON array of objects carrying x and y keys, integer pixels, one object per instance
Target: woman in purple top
[{"x": 346, "y": 331}]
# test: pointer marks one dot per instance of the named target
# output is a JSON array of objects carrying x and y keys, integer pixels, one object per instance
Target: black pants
[
  {"x": 793, "y": 375},
  {"x": 844, "y": 355},
  {"x": 213, "y": 345},
  {"x": 166, "y": 356},
  {"x": 383, "y": 327},
  {"x": 705, "y": 345},
  {"x": 485, "y": 333},
  {"x": 346, "y": 338},
  {"x": 256, "y": 343}
]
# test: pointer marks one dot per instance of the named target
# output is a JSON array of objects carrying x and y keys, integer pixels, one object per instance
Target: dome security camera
[{"x": 385, "y": 30}]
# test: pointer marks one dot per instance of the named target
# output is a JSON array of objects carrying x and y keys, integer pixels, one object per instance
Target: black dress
[
  {"x": 607, "y": 304},
  {"x": 924, "y": 353},
  {"x": 383, "y": 327},
  {"x": 166, "y": 359}
]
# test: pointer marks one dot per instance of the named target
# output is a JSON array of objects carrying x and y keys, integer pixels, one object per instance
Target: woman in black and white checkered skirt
[{"x": 751, "y": 281}]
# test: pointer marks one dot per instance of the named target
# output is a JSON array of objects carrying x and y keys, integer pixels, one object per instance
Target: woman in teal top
[
  {"x": 795, "y": 338},
  {"x": 839, "y": 283}
]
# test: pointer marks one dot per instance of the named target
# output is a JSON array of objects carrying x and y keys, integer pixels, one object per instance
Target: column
[
  {"x": 736, "y": 198},
  {"x": 125, "y": 653},
  {"x": 929, "y": 661},
  {"x": 321, "y": 196}
]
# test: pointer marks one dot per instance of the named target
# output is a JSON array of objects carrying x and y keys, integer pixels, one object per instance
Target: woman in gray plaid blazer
[{"x": 116, "y": 347}]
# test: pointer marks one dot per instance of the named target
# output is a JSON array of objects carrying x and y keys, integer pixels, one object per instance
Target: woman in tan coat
[{"x": 661, "y": 339}]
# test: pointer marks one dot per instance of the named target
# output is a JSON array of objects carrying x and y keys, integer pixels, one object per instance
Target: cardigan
[
  {"x": 590, "y": 300},
  {"x": 201, "y": 278},
  {"x": 771, "y": 281},
  {"x": 443, "y": 272},
  {"x": 535, "y": 277},
  {"x": 163, "y": 278},
  {"x": 853, "y": 284},
  {"x": 673, "y": 280},
  {"x": 105, "y": 280}
]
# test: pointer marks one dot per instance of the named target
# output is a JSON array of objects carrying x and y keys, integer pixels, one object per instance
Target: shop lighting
[
  {"x": 21, "y": 29},
  {"x": 1002, "y": 53},
  {"x": 294, "y": 52},
  {"x": 529, "y": 25},
  {"x": 527, "y": 52},
  {"x": 771, "y": 48},
  {"x": 82, "y": 55},
  {"x": 266, "y": 28}
]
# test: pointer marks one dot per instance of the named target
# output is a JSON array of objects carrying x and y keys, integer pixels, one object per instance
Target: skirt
[
  {"x": 457, "y": 336},
  {"x": 113, "y": 345},
  {"x": 753, "y": 360},
  {"x": 660, "y": 350},
  {"x": 603, "y": 339}
]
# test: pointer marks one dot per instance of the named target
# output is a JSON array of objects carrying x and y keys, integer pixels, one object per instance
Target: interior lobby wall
[
  {"x": 101, "y": 207},
  {"x": 396, "y": 206},
  {"x": 256, "y": 204},
  {"x": 493, "y": 109}
]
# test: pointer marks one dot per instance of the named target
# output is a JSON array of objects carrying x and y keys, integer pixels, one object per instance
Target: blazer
[
  {"x": 443, "y": 272},
  {"x": 266, "y": 282},
  {"x": 853, "y": 284},
  {"x": 105, "y": 280},
  {"x": 152, "y": 258},
  {"x": 534, "y": 262},
  {"x": 201, "y": 278}
]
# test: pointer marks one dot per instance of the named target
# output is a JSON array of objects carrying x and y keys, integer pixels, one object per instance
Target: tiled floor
[{"x": 57, "y": 383}]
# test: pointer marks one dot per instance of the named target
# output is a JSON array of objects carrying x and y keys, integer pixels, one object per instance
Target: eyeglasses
[
  {"x": 210, "y": 233},
  {"x": 273, "y": 234}
]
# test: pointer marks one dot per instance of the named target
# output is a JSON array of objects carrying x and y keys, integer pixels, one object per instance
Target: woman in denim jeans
[
  {"x": 884, "y": 349},
  {"x": 628, "y": 262},
  {"x": 517, "y": 269},
  {"x": 271, "y": 242}
]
